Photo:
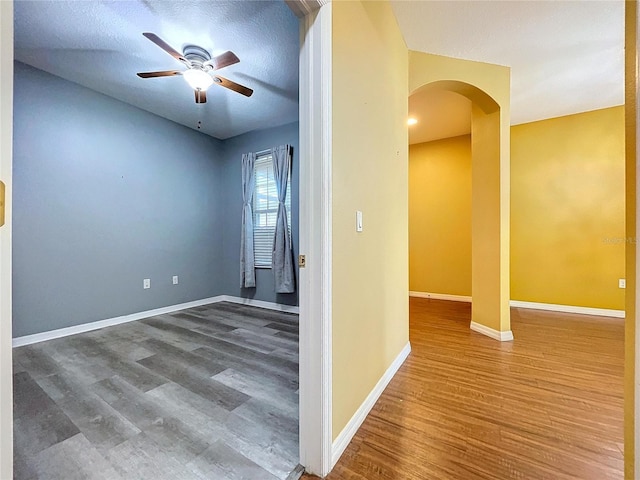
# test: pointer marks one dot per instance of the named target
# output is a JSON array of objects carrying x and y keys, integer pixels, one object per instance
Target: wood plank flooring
[
  {"x": 547, "y": 406},
  {"x": 205, "y": 393}
]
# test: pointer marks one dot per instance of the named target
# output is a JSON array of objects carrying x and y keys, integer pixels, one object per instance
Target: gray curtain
[
  {"x": 247, "y": 262},
  {"x": 282, "y": 259}
]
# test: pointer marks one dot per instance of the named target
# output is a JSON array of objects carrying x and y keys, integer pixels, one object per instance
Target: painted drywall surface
[
  {"x": 487, "y": 280},
  {"x": 631, "y": 208},
  {"x": 369, "y": 173},
  {"x": 440, "y": 216},
  {"x": 232, "y": 215},
  {"x": 106, "y": 195},
  {"x": 425, "y": 68},
  {"x": 567, "y": 204},
  {"x": 554, "y": 256},
  {"x": 6, "y": 115},
  {"x": 488, "y": 86}
]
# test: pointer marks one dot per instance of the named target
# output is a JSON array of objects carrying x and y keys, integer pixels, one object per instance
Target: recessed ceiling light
[{"x": 412, "y": 121}]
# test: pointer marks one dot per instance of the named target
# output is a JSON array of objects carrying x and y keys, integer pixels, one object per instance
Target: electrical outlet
[
  {"x": 146, "y": 283},
  {"x": 175, "y": 279},
  {"x": 622, "y": 283}
]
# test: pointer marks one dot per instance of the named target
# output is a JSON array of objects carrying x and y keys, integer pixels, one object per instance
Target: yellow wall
[
  {"x": 631, "y": 157},
  {"x": 567, "y": 212},
  {"x": 489, "y": 222},
  {"x": 440, "y": 216},
  {"x": 488, "y": 86},
  {"x": 567, "y": 204},
  {"x": 369, "y": 173}
]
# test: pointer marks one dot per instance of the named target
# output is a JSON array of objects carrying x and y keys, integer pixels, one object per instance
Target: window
[{"x": 265, "y": 210}]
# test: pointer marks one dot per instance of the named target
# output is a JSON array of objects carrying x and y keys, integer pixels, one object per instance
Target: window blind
[{"x": 265, "y": 210}]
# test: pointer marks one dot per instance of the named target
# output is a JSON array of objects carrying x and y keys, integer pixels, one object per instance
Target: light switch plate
[{"x": 358, "y": 221}]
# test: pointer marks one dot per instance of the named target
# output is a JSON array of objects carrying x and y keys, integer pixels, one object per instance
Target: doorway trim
[
  {"x": 315, "y": 237},
  {"x": 6, "y": 156}
]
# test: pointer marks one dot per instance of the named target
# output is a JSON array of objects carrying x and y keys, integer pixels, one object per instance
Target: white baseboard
[
  {"x": 342, "y": 441},
  {"x": 601, "y": 312},
  {"x": 490, "y": 332},
  {"x": 441, "y": 296},
  {"x": 552, "y": 307},
  {"x": 87, "y": 327},
  {"x": 259, "y": 303}
]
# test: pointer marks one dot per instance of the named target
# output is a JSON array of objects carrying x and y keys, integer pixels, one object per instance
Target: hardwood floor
[
  {"x": 547, "y": 406},
  {"x": 205, "y": 393}
]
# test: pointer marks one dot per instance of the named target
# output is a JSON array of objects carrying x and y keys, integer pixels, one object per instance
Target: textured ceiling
[
  {"x": 565, "y": 56},
  {"x": 99, "y": 44}
]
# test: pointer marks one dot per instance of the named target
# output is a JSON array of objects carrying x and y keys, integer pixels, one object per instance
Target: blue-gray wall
[
  {"x": 106, "y": 195},
  {"x": 234, "y": 148}
]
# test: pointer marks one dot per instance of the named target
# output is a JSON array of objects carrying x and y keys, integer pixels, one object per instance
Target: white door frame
[
  {"x": 6, "y": 160},
  {"x": 315, "y": 235}
]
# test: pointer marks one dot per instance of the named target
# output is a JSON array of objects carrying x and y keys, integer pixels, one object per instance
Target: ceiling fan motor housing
[{"x": 196, "y": 55}]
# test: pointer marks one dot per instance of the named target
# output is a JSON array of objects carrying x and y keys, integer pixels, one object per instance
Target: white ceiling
[
  {"x": 565, "y": 56},
  {"x": 100, "y": 45}
]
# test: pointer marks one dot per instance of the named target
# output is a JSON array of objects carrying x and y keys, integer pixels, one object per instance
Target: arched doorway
[{"x": 487, "y": 87}]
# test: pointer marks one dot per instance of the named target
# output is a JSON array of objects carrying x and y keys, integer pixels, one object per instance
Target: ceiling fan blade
[
  {"x": 201, "y": 96},
  {"x": 165, "y": 46},
  {"x": 165, "y": 73},
  {"x": 236, "y": 87},
  {"x": 223, "y": 60}
]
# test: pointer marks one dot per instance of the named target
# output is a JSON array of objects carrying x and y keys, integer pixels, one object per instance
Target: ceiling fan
[{"x": 199, "y": 64}]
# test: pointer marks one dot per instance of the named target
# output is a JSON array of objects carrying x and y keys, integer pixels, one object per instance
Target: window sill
[{"x": 263, "y": 267}]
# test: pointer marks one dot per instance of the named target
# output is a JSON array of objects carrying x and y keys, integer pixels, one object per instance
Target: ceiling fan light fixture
[
  {"x": 199, "y": 63},
  {"x": 198, "y": 79}
]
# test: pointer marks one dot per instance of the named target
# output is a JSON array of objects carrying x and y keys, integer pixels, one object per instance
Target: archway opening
[{"x": 464, "y": 199}]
